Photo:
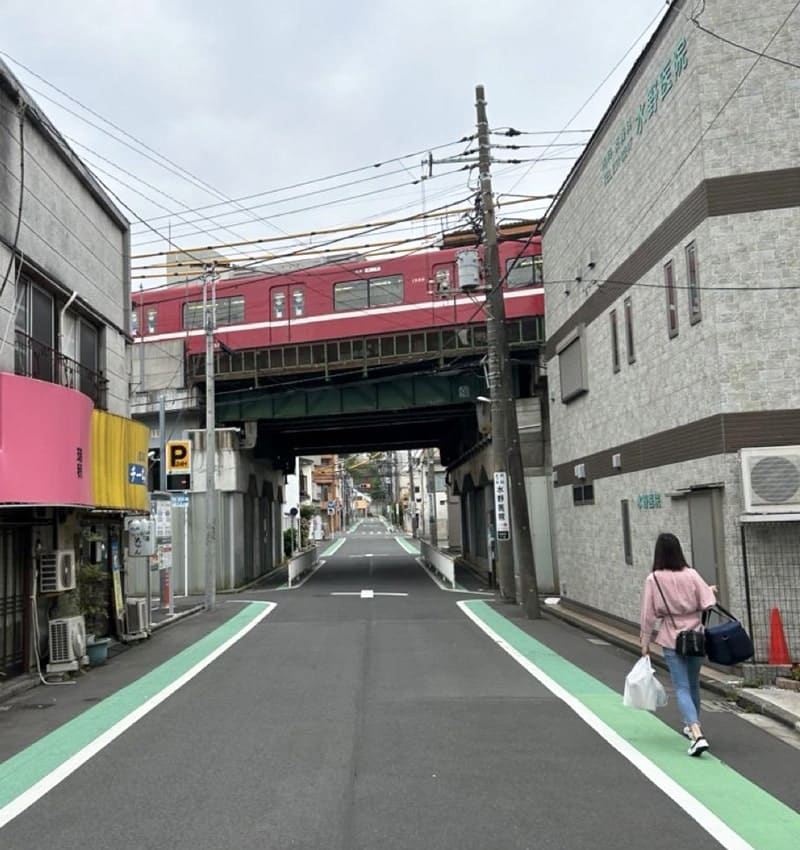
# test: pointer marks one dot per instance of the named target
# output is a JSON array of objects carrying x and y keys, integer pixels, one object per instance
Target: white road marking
[
  {"x": 70, "y": 765},
  {"x": 364, "y": 594},
  {"x": 693, "y": 807}
]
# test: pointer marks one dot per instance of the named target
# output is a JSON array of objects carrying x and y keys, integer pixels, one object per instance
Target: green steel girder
[{"x": 398, "y": 392}]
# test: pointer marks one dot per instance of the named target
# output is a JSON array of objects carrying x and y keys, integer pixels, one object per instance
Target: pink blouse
[{"x": 687, "y": 596}]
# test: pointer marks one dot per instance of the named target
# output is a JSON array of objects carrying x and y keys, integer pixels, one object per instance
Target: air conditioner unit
[
  {"x": 67, "y": 644},
  {"x": 771, "y": 480},
  {"x": 57, "y": 571},
  {"x": 136, "y": 616}
]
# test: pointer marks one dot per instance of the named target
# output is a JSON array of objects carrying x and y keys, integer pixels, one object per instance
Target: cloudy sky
[{"x": 247, "y": 99}]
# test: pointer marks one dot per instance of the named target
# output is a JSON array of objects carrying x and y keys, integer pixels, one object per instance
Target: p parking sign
[{"x": 178, "y": 456}]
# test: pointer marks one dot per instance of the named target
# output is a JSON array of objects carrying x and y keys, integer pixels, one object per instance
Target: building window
[
  {"x": 672, "y": 300},
  {"x": 629, "y": 330},
  {"x": 614, "y": 341},
  {"x": 572, "y": 366},
  {"x": 35, "y": 332},
  {"x": 583, "y": 494},
  {"x": 298, "y": 302},
  {"x": 88, "y": 358},
  {"x": 692, "y": 283},
  {"x": 524, "y": 271},
  {"x": 626, "y": 530}
]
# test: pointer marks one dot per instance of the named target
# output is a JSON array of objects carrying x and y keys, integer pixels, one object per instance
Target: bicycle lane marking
[
  {"x": 30, "y": 774},
  {"x": 734, "y": 811}
]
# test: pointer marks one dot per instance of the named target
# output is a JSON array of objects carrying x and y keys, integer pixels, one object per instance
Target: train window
[
  {"x": 386, "y": 290},
  {"x": 278, "y": 303},
  {"x": 230, "y": 311},
  {"x": 298, "y": 302},
  {"x": 134, "y": 322},
  {"x": 442, "y": 279},
  {"x": 524, "y": 271},
  {"x": 151, "y": 320},
  {"x": 193, "y": 315},
  {"x": 350, "y": 295}
]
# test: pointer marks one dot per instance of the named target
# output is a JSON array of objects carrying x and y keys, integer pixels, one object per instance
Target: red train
[{"x": 344, "y": 299}]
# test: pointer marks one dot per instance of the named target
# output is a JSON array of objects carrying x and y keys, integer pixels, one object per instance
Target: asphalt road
[{"x": 368, "y": 710}]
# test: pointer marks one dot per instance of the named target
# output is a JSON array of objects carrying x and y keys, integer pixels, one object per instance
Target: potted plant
[{"x": 93, "y": 581}]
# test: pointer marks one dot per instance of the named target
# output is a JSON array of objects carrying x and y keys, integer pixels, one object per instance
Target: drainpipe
[{"x": 60, "y": 352}]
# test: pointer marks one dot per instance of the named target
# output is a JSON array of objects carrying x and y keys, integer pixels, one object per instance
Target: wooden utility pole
[{"x": 509, "y": 474}]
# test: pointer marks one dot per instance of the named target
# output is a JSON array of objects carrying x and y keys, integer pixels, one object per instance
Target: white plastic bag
[{"x": 642, "y": 689}]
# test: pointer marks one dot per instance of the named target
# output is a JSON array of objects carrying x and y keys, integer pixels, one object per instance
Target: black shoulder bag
[{"x": 689, "y": 641}]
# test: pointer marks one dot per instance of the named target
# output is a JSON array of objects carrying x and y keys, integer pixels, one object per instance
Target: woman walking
[{"x": 677, "y": 594}]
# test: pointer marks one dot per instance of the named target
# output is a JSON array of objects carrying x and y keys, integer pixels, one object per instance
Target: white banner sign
[{"x": 501, "y": 516}]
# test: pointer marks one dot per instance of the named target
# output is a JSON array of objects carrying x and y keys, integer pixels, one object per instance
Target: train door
[{"x": 279, "y": 314}]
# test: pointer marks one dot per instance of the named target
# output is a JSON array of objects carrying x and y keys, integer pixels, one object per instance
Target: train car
[{"x": 343, "y": 300}]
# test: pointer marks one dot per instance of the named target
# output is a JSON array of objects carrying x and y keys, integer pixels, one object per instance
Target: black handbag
[
  {"x": 689, "y": 641},
  {"x": 727, "y": 642}
]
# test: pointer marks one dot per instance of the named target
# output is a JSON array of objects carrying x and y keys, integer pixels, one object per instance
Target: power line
[
  {"x": 761, "y": 54},
  {"x": 596, "y": 90},
  {"x": 669, "y": 181},
  {"x": 436, "y": 213}
]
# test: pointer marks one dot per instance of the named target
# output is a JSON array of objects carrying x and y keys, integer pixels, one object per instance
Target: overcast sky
[{"x": 250, "y": 97}]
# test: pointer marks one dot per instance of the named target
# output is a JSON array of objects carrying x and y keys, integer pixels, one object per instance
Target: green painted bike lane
[
  {"x": 45, "y": 760},
  {"x": 758, "y": 818}
]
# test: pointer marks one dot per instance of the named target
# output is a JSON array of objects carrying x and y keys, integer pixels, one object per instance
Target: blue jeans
[{"x": 684, "y": 670}]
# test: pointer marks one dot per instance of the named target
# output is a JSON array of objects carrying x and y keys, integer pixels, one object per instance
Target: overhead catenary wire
[{"x": 436, "y": 213}]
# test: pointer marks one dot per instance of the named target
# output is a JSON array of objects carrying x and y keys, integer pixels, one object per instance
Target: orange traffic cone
[{"x": 778, "y": 649}]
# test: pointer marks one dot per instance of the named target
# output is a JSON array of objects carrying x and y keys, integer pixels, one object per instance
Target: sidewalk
[{"x": 776, "y": 703}]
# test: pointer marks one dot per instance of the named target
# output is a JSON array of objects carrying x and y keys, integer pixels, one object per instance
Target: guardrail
[
  {"x": 443, "y": 564},
  {"x": 301, "y": 563}
]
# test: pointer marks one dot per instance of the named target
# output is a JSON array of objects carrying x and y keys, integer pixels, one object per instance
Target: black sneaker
[{"x": 698, "y": 747}]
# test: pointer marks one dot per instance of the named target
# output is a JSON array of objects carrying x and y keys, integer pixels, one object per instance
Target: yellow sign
[{"x": 178, "y": 456}]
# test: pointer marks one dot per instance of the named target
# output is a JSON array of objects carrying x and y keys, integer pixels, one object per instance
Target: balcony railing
[{"x": 33, "y": 359}]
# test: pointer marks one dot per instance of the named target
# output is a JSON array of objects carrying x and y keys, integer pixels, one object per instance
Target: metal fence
[{"x": 771, "y": 558}]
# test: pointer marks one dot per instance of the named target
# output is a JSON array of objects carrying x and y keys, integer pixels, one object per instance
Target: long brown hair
[{"x": 668, "y": 554}]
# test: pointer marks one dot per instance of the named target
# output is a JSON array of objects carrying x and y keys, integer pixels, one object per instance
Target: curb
[
  {"x": 18, "y": 686},
  {"x": 755, "y": 705},
  {"x": 154, "y": 627},
  {"x": 742, "y": 697}
]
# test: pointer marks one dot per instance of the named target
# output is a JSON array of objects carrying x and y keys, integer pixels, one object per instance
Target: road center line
[
  {"x": 733, "y": 810},
  {"x": 29, "y": 775}
]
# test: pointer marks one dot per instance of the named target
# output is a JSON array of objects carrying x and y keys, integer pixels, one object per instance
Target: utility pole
[
  {"x": 412, "y": 496},
  {"x": 506, "y": 454},
  {"x": 209, "y": 312},
  {"x": 162, "y": 444},
  {"x": 433, "y": 521}
]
